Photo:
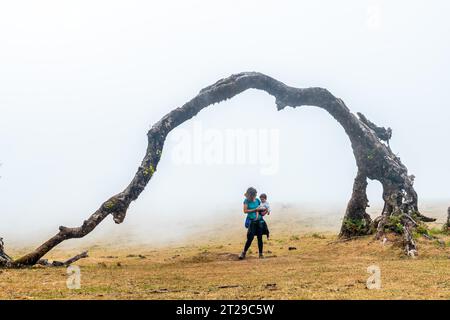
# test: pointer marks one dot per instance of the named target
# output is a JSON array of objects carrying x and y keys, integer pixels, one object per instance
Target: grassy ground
[{"x": 299, "y": 264}]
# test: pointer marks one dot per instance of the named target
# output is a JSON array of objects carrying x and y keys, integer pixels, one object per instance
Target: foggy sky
[{"x": 82, "y": 81}]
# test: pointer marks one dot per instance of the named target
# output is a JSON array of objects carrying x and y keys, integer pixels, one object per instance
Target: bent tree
[{"x": 370, "y": 143}]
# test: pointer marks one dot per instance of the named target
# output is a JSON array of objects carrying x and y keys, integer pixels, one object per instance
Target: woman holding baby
[{"x": 255, "y": 209}]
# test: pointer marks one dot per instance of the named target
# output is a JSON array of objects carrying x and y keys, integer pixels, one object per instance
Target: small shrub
[
  {"x": 435, "y": 231},
  {"x": 394, "y": 223},
  {"x": 422, "y": 229},
  {"x": 355, "y": 226}
]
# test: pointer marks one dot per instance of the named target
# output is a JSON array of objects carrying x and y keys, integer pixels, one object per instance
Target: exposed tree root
[{"x": 374, "y": 160}]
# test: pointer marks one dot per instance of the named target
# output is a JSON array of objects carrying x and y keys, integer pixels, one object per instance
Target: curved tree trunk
[{"x": 374, "y": 159}]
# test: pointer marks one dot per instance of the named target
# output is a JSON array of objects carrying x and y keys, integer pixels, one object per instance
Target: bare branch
[{"x": 68, "y": 262}]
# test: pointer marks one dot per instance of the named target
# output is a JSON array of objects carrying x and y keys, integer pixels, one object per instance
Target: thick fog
[{"x": 81, "y": 82}]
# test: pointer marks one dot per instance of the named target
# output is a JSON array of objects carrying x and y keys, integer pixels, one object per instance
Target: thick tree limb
[{"x": 374, "y": 159}]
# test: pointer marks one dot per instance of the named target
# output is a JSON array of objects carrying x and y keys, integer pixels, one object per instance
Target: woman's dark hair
[{"x": 251, "y": 193}]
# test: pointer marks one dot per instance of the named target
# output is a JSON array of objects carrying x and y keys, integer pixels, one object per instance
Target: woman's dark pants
[{"x": 255, "y": 229}]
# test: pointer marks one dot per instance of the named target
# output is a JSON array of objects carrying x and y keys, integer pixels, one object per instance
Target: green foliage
[
  {"x": 435, "y": 231},
  {"x": 394, "y": 224},
  {"x": 355, "y": 226},
  {"x": 423, "y": 229}
]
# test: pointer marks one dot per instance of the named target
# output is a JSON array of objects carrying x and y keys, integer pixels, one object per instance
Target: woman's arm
[{"x": 247, "y": 210}]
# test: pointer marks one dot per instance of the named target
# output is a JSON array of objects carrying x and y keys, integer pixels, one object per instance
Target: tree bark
[
  {"x": 447, "y": 224},
  {"x": 374, "y": 159},
  {"x": 5, "y": 260},
  {"x": 356, "y": 220}
]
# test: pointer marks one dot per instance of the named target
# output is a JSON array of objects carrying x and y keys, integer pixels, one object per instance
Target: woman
[{"x": 257, "y": 224}]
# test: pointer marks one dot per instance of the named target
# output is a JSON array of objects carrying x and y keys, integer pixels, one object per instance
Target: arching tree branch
[{"x": 374, "y": 159}]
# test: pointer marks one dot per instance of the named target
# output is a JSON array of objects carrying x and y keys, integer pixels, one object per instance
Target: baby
[{"x": 264, "y": 207}]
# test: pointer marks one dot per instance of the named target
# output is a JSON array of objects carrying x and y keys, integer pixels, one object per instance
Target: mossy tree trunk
[{"x": 356, "y": 220}]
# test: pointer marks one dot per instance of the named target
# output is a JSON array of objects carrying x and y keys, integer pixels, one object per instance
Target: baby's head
[{"x": 263, "y": 197}]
